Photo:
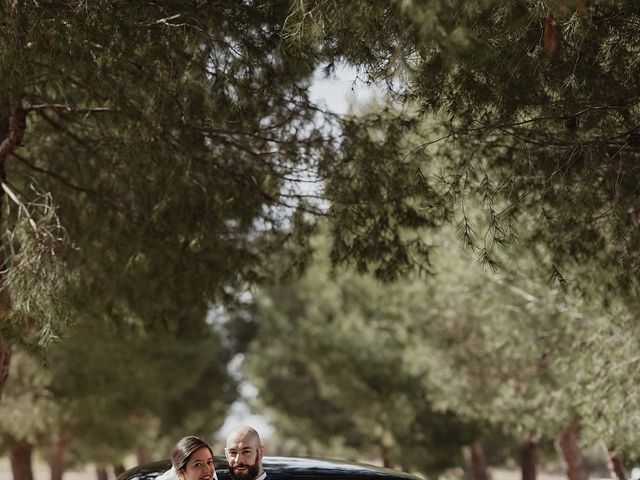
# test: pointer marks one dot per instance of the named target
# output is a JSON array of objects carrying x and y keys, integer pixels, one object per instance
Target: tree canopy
[
  {"x": 139, "y": 139},
  {"x": 536, "y": 112}
]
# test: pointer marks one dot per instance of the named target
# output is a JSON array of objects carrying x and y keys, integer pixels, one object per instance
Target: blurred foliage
[
  {"x": 156, "y": 385},
  {"x": 414, "y": 370},
  {"x": 107, "y": 389},
  {"x": 28, "y": 407},
  {"x": 330, "y": 364}
]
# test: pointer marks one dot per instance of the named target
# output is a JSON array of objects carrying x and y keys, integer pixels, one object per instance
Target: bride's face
[{"x": 200, "y": 466}]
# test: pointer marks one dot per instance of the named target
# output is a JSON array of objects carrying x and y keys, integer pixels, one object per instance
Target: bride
[{"x": 191, "y": 459}]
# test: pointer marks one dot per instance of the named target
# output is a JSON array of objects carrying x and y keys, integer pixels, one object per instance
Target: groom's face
[{"x": 245, "y": 458}]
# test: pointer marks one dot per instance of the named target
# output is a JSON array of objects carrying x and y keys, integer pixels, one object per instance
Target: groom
[{"x": 244, "y": 452}]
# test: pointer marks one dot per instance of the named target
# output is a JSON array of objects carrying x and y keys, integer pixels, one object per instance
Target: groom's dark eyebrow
[{"x": 242, "y": 450}]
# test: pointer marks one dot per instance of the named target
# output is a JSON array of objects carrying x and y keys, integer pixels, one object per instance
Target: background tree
[
  {"x": 339, "y": 342},
  {"x": 504, "y": 351},
  {"x": 531, "y": 358},
  {"x": 158, "y": 385},
  {"x": 27, "y": 411}
]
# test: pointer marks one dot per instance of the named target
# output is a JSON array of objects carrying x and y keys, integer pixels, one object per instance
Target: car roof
[{"x": 282, "y": 468}]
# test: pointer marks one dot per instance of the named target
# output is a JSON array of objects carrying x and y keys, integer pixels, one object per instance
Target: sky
[
  {"x": 240, "y": 413},
  {"x": 340, "y": 90}
]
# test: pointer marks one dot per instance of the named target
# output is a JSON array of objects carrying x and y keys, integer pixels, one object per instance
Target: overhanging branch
[{"x": 68, "y": 108}]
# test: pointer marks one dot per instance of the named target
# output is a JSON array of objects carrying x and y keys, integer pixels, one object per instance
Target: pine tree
[
  {"x": 533, "y": 106},
  {"x": 150, "y": 156}
]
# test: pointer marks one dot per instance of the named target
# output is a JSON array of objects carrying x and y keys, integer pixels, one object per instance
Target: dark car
[{"x": 282, "y": 468}]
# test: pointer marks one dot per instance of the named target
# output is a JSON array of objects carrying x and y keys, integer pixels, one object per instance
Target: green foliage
[
  {"x": 525, "y": 354},
  {"x": 329, "y": 361},
  {"x": 374, "y": 201},
  {"x": 116, "y": 388},
  {"x": 538, "y": 132},
  {"x": 38, "y": 279},
  {"x": 27, "y": 408},
  {"x": 168, "y": 143},
  {"x": 175, "y": 134},
  {"x": 403, "y": 365}
]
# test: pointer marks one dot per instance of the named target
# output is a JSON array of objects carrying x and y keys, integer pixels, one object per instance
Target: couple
[{"x": 192, "y": 457}]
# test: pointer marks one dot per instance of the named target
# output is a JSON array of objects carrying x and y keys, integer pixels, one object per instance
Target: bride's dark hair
[{"x": 184, "y": 449}]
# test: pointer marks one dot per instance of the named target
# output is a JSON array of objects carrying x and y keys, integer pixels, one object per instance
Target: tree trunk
[
  {"x": 5, "y": 303},
  {"x": 101, "y": 473},
  {"x": 616, "y": 466},
  {"x": 385, "y": 456},
  {"x": 118, "y": 469},
  {"x": 477, "y": 462},
  {"x": 58, "y": 453},
  {"x": 142, "y": 456},
  {"x": 5, "y": 307},
  {"x": 5, "y": 354},
  {"x": 12, "y": 126},
  {"x": 20, "y": 456},
  {"x": 570, "y": 452},
  {"x": 529, "y": 460}
]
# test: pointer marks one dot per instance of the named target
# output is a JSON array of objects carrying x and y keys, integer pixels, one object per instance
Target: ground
[{"x": 41, "y": 472}]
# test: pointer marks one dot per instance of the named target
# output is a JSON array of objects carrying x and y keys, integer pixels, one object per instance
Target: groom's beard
[{"x": 250, "y": 474}]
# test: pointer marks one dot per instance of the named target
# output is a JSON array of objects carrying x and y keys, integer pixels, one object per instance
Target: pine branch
[
  {"x": 20, "y": 204},
  {"x": 67, "y": 108},
  {"x": 66, "y": 131},
  {"x": 63, "y": 180}
]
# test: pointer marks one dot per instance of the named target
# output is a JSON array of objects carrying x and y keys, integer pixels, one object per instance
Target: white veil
[{"x": 171, "y": 474}]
